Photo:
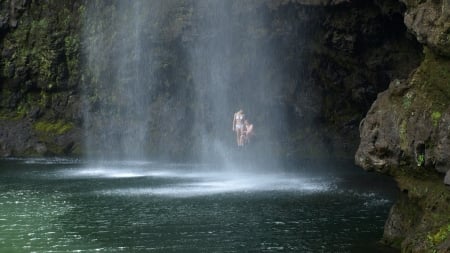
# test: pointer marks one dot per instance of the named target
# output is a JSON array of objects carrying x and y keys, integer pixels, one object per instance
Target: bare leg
[
  {"x": 242, "y": 139},
  {"x": 238, "y": 136}
]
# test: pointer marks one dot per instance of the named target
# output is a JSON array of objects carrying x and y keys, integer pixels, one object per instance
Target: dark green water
[{"x": 65, "y": 206}]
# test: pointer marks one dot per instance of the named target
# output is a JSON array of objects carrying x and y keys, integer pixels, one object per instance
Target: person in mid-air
[
  {"x": 247, "y": 133},
  {"x": 238, "y": 126}
]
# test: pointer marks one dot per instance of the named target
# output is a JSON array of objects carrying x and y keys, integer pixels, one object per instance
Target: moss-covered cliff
[
  {"x": 406, "y": 134},
  {"x": 39, "y": 76}
]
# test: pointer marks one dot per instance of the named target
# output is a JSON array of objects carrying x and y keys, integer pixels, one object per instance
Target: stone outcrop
[
  {"x": 429, "y": 21},
  {"x": 10, "y": 11},
  {"x": 406, "y": 134}
]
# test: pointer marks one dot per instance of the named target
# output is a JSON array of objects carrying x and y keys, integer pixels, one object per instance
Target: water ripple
[{"x": 141, "y": 208}]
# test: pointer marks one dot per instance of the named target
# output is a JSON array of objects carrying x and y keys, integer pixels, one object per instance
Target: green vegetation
[
  {"x": 44, "y": 48},
  {"x": 433, "y": 81},
  {"x": 429, "y": 91},
  {"x": 407, "y": 100},
  {"x": 21, "y": 111},
  {"x": 435, "y": 117},
  {"x": 420, "y": 104},
  {"x": 430, "y": 198},
  {"x": 39, "y": 70},
  {"x": 440, "y": 236},
  {"x": 57, "y": 127},
  {"x": 72, "y": 47},
  {"x": 420, "y": 160}
]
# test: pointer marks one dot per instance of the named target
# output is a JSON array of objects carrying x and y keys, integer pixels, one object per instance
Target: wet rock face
[
  {"x": 408, "y": 123},
  {"x": 406, "y": 134},
  {"x": 447, "y": 178},
  {"x": 375, "y": 149},
  {"x": 356, "y": 48},
  {"x": 441, "y": 152},
  {"x": 402, "y": 217},
  {"x": 10, "y": 11},
  {"x": 360, "y": 47},
  {"x": 405, "y": 126},
  {"x": 39, "y": 75},
  {"x": 12, "y": 138},
  {"x": 429, "y": 21}
]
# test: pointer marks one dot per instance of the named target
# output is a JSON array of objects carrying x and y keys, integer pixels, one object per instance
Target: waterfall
[
  {"x": 164, "y": 77},
  {"x": 233, "y": 68},
  {"x": 211, "y": 68},
  {"x": 120, "y": 75}
]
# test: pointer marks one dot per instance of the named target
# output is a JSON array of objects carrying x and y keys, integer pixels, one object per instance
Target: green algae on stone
[
  {"x": 407, "y": 100},
  {"x": 435, "y": 117},
  {"x": 420, "y": 160},
  {"x": 432, "y": 201},
  {"x": 432, "y": 79},
  {"x": 440, "y": 236},
  {"x": 58, "y": 127}
]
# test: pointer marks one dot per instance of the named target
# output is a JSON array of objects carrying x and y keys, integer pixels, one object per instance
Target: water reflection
[{"x": 147, "y": 206}]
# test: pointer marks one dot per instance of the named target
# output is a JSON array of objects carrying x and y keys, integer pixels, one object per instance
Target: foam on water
[
  {"x": 45, "y": 161},
  {"x": 223, "y": 186},
  {"x": 199, "y": 183},
  {"x": 187, "y": 180},
  {"x": 104, "y": 172},
  {"x": 190, "y": 180}
]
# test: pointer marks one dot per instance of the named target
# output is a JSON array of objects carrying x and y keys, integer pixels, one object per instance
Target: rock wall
[
  {"x": 429, "y": 22},
  {"x": 39, "y": 75},
  {"x": 358, "y": 48},
  {"x": 406, "y": 134}
]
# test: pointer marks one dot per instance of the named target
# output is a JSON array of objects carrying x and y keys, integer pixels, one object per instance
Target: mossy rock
[
  {"x": 58, "y": 127},
  {"x": 432, "y": 83},
  {"x": 431, "y": 228}
]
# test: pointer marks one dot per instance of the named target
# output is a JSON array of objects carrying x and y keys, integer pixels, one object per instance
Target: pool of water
[{"x": 60, "y": 205}]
